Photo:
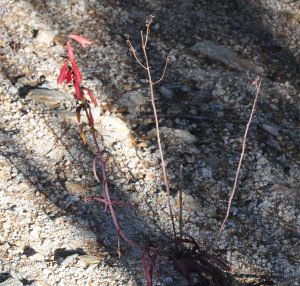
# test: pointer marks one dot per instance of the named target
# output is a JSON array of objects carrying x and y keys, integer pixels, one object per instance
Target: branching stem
[
  {"x": 107, "y": 201},
  {"x": 144, "y": 40}
]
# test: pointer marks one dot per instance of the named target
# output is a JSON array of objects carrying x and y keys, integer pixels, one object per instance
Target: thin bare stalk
[
  {"x": 133, "y": 51},
  {"x": 163, "y": 165},
  {"x": 144, "y": 40},
  {"x": 164, "y": 71},
  {"x": 180, "y": 204},
  {"x": 257, "y": 84}
]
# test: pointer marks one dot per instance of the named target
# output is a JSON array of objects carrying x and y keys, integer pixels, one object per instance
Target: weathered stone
[
  {"x": 288, "y": 192},
  {"x": 64, "y": 115},
  {"x": 11, "y": 282},
  {"x": 57, "y": 153},
  {"x": 225, "y": 55},
  {"x": 166, "y": 92},
  {"x": 189, "y": 202},
  {"x": 75, "y": 188},
  {"x": 48, "y": 97},
  {"x": 113, "y": 129},
  {"x": 43, "y": 144},
  {"x": 90, "y": 259},
  {"x": 133, "y": 101},
  {"x": 45, "y": 37},
  {"x": 271, "y": 129},
  {"x": 174, "y": 135}
]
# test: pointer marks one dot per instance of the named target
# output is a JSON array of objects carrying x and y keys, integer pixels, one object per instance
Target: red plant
[
  {"x": 70, "y": 73},
  {"x": 187, "y": 261},
  {"x": 83, "y": 41}
]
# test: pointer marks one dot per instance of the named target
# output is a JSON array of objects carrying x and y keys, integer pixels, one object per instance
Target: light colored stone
[
  {"x": 225, "y": 55},
  {"x": 174, "y": 135},
  {"x": 113, "y": 129},
  {"x": 75, "y": 188},
  {"x": 90, "y": 259},
  {"x": 45, "y": 37},
  {"x": 49, "y": 97},
  {"x": 57, "y": 153},
  {"x": 11, "y": 282},
  {"x": 42, "y": 144},
  {"x": 5, "y": 170},
  {"x": 189, "y": 202}
]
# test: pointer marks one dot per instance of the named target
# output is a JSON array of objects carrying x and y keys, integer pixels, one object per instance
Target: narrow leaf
[
  {"x": 91, "y": 119},
  {"x": 78, "y": 89},
  {"x": 70, "y": 52},
  {"x": 92, "y": 97},
  {"x": 78, "y": 110},
  {"x": 69, "y": 76},
  {"x": 77, "y": 73},
  {"x": 83, "y": 138},
  {"x": 82, "y": 134},
  {"x": 78, "y": 116},
  {"x": 83, "y": 41},
  {"x": 63, "y": 73}
]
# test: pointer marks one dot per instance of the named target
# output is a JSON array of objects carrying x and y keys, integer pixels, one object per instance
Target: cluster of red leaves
[{"x": 70, "y": 73}]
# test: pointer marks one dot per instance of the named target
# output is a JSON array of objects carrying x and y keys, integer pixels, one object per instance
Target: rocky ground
[{"x": 50, "y": 236}]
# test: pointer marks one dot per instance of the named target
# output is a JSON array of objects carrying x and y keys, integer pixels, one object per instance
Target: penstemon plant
[
  {"x": 182, "y": 250},
  {"x": 70, "y": 74}
]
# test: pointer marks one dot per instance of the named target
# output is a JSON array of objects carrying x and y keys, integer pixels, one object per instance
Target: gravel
[{"x": 50, "y": 236}]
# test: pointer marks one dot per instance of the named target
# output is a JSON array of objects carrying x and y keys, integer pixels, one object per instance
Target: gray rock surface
[
  {"x": 216, "y": 48},
  {"x": 48, "y": 97},
  {"x": 225, "y": 55}
]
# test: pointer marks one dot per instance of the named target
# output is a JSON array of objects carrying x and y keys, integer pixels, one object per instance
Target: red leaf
[
  {"x": 72, "y": 60},
  {"x": 77, "y": 73},
  {"x": 68, "y": 76},
  {"x": 91, "y": 119},
  {"x": 83, "y": 41},
  {"x": 70, "y": 52},
  {"x": 92, "y": 97},
  {"x": 63, "y": 73},
  {"x": 78, "y": 89}
]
